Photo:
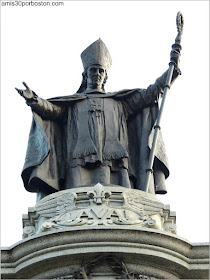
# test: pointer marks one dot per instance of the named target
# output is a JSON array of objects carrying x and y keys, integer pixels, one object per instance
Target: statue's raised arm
[
  {"x": 41, "y": 106},
  {"x": 173, "y": 68}
]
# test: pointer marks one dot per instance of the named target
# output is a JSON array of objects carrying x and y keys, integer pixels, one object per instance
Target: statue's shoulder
[
  {"x": 67, "y": 98},
  {"x": 80, "y": 96},
  {"x": 126, "y": 93}
]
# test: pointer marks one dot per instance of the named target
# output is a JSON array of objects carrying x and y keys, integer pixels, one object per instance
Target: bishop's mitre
[{"x": 96, "y": 53}]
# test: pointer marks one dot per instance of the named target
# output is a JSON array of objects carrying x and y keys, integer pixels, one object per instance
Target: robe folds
[{"x": 87, "y": 138}]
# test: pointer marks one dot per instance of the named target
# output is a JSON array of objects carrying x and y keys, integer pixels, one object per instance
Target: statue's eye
[
  {"x": 101, "y": 70},
  {"x": 92, "y": 69}
]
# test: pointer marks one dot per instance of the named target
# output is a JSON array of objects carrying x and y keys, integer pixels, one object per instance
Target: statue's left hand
[
  {"x": 176, "y": 73},
  {"x": 175, "y": 57}
]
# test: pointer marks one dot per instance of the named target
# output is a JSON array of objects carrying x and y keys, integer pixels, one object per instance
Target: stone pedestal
[
  {"x": 102, "y": 232},
  {"x": 98, "y": 205}
]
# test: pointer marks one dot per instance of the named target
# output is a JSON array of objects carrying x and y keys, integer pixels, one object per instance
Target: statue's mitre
[{"x": 96, "y": 53}]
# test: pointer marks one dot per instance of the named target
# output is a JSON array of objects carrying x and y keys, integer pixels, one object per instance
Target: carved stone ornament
[
  {"x": 99, "y": 205},
  {"x": 117, "y": 265},
  {"x": 28, "y": 231}
]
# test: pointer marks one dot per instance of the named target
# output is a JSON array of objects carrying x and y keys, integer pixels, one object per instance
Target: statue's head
[{"x": 96, "y": 61}]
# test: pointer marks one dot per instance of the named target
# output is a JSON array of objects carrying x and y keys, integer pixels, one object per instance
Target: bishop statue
[{"x": 94, "y": 136}]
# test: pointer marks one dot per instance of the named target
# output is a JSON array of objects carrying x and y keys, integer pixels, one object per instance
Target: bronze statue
[{"x": 93, "y": 136}]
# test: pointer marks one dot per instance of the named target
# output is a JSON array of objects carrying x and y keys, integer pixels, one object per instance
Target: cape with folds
[{"x": 45, "y": 163}]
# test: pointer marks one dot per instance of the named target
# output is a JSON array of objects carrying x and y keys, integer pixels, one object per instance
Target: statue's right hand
[{"x": 27, "y": 93}]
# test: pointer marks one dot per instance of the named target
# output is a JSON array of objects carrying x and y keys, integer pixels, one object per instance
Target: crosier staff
[{"x": 174, "y": 59}]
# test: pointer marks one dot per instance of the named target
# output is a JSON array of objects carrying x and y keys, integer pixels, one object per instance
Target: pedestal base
[
  {"x": 98, "y": 205},
  {"x": 105, "y": 253},
  {"x": 102, "y": 232}
]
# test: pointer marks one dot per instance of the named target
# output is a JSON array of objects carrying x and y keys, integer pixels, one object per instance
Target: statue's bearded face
[{"x": 96, "y": 75}]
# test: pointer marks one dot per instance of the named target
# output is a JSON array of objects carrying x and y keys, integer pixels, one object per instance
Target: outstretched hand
[{"x": 26, "y": 93}]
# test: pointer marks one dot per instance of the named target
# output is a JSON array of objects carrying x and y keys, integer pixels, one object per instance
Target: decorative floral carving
[
  {"x": 98, "y": 194},
  {"x": 146, "y": 221},
  {"x": 170, "y": 227},
  {"x": 28, "y": 231}
]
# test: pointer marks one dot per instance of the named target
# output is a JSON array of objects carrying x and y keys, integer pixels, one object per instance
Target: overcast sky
[{"x": 42, "y": 46}]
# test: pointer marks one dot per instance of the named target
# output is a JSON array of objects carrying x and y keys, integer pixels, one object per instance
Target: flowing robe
[{"x": 87, "y": 138}]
